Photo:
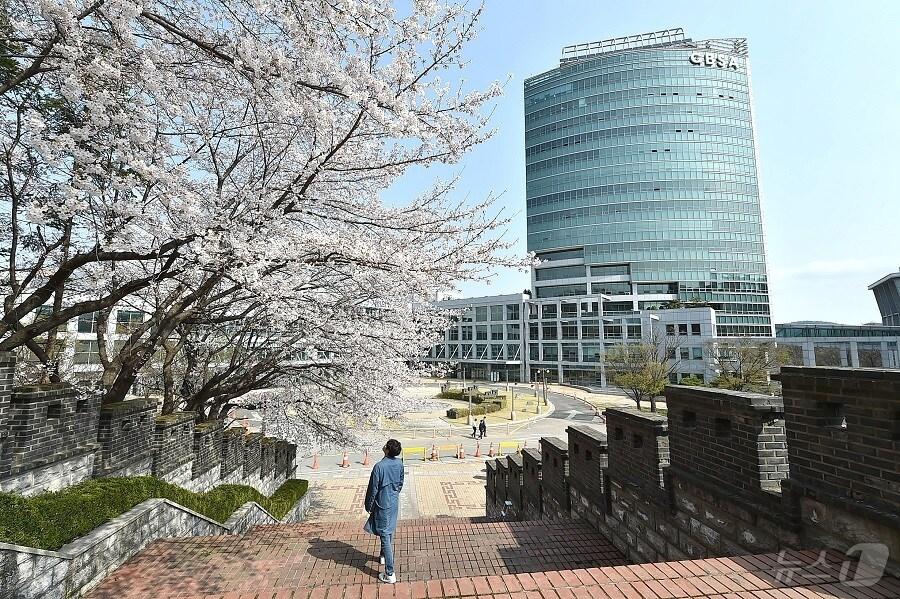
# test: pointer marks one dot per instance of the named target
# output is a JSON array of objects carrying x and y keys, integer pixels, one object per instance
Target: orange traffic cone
[
  {"x": 366, "y": 460},
  {"x": 477, "y": 449},
  {"x": 491, "y": 450},
  {"x": 345, "y": 463},
  {"x": 434, "y": 453},
  {"x": 461, "y": 454},
  {"x": 315, "y": 464}
]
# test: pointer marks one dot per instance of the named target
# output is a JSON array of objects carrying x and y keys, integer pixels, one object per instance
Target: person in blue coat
[{"x": 383, "y": 503}]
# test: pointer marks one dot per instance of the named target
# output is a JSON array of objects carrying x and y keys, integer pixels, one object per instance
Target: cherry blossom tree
[{"x": 196, "y": 155}]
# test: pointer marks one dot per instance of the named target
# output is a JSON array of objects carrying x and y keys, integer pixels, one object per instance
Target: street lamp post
[
  {"x": 545, "y": 386},
  {"x": 512, "y": 406}
]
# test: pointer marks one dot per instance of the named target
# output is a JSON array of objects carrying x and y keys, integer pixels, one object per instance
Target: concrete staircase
[{"x": 456, "y": 557}]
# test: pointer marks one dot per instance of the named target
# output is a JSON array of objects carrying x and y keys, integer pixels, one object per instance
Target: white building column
[
  {"x": 854, "y": 354},
  {"x": 809, "y": 353}
]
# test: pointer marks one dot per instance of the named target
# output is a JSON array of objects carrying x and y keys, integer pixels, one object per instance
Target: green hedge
[
  {"x": 487, "y": 408},
  {"x": 51, "y": 520}
]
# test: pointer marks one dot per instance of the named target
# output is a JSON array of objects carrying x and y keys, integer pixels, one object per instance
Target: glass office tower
[{"x": 641, "y": 178}]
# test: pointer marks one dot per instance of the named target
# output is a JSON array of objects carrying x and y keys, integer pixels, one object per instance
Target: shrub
[
  {"x": 488, "y": 408},
  {"x": 51, "y": 520}
]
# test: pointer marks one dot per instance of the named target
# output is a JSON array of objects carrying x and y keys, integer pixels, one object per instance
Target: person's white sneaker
[
  {"x": 388, "y": 578},
  {"x": 381, "y": 560}
]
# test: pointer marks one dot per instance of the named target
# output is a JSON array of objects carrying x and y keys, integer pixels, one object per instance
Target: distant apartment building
[
  {"x": 641, "y": 178},
  {"x": 887, "y": 295}
]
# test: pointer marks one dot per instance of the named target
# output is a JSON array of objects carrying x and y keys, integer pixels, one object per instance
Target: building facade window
[
  {"x": 512, "y": 311},
  {"x": 550, "y": 351},
  {"x": 87, "y": 352},
  {"x": 87, "y": 323},
  {"x": 128, "y": 320},
  {"x": 559, "y": 272},
  {"x": 570, "y": 352},
  {"x": 560, "y": 290},
  {"x": 611, "y": 288},
  {"x": 610, "y": 270},
  {"x": 590, "y": 329}
]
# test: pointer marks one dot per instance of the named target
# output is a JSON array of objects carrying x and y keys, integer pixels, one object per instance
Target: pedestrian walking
[
  {"x": 482, "y": 429},
  {"x": 383, "y": 503},
  {"x": 474, "y": 428}
]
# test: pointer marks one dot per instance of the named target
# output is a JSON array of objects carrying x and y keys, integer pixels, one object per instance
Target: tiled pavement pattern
[
  {"x": 454, "y": 489},
  {"x": 338, "y": 500},
  {"x": 325, "y": 554},
  {"x": 456, "y": 495}
]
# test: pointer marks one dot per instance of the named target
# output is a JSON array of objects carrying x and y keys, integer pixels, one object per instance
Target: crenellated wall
[
  {"x": 514, "y": 486},
  {"x": 843, "y": 437},
  {"x": 727, "y": 473},
  {"x": 531, "y": 484},
  {"x": 125, "y": 434},
  {"x": 173, "y": 439},
  {"x": 555, "y": 479},
  {"x": 589, "y": 458},
  {"x": 52, "y": 437}
]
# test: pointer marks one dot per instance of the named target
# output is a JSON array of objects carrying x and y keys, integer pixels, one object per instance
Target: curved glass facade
[{"x": 645, "y": 158}]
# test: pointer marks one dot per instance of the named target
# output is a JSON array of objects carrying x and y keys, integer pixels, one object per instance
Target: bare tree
[
  {"x": 746, "y": 364},
  {"x": 642, "y": 369}
]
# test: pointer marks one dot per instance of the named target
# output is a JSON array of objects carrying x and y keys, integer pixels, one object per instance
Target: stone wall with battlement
[
  {"x": 52, "y": 437},
  {"x": 725, "y": 473}
]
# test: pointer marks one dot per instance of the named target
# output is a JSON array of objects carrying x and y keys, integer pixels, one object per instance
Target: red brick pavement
[{"x": 462, "y": 558}]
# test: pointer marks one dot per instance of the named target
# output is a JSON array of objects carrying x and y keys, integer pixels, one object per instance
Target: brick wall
[
  {"x": 490, "y": 500},
  {"x": 268, "y": 447},
  {"x": 125, "y": 433},
  {"x": 7, "y": 371},
  {"x": 708, "y": 479},
  {"x": 252, "y": 454},
  {"x": 843, "y": 434},
  {"x": 589, "y": 458},
  {"x": 501, "y": 484},
  {"x": 637, "y": 490},
  {"x": 735, "y": 439},
  {"x": 232, "y": 449},
  {"x": 52, "y": 437},
  {"x": 47, "y": 424},
  {"x": 173, "y": 441},
  {"x": 638, "y": 448},
  {"x": 555, "y": 478},
  {"x": 514, "y": 486},
  {"x": 531, "y": 484},
  {"x": 207, "y": 447}
]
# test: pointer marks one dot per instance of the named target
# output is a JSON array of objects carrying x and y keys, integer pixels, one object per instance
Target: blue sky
[{"x": 826, "y": 84}]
